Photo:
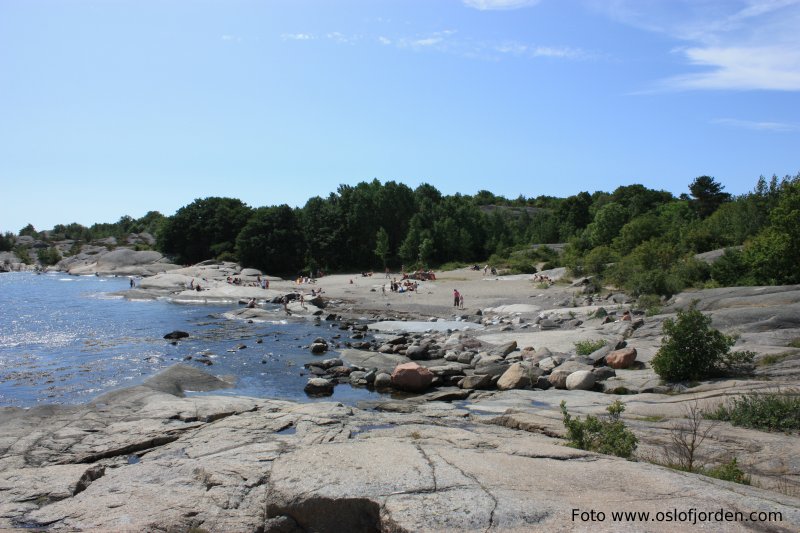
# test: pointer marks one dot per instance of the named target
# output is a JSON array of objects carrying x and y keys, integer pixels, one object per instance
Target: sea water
[{"x": 66, "y": 339}]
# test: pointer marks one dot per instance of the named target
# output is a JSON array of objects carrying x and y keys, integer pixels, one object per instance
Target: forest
[{"x": 636, "y": 238}]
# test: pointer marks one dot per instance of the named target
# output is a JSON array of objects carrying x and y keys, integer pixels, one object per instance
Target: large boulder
[
  {"x": 623, "y": 358},
  {"x": 319, "y": 387},
  {"x": 318, "y": 347},
  {"x": 382, "y": 380},
  {"x": 416, "y": 352},
  {"x": 516, "y": 377},
  {"x": 549, "y": 363},
  {"x": 506, "y": 348},
  {"x": 476, "y": 381},
  {"x": 580, "y": 380},
  {"x": 558, "y": 378},
  {"x": 411, "y": 377}
]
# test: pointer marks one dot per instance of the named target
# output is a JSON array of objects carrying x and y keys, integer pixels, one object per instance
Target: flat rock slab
[
  {"x": 421, "y": 326},
  {"x": 554, "y": 340},
  {"x": 142, "y": 460},
  {"x": 384, "y": 362}
]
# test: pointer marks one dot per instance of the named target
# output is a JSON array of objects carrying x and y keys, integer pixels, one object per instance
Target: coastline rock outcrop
[
  {"x": 141, "y": 459},
  {"x": 120, "y": 262}
]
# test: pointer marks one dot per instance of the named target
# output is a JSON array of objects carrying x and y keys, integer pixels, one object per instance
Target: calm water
[{"x": 65, "y": 339}]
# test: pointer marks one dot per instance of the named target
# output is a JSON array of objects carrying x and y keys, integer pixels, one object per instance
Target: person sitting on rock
[{"x": 251, "y": 304}]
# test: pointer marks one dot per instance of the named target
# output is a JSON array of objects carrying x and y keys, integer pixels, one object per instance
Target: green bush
[
  {"x": 608, "y": 435},
  {"x": 693, "y": 350},
  {"x": 765, "y": 411},
  {"x": 588, "y": 346},
  {"x": 729, "y": 471},
  {"x": 22, "y": 253},
  {"x": 651, "y": 303},
  {"x": 48, "y": 256}
]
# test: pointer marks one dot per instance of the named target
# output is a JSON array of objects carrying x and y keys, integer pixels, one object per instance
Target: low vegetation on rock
[
  {"x": 589, "y": 346},
  {"x": 606, "y": 435},
  {"x": 765, "y": 411}
]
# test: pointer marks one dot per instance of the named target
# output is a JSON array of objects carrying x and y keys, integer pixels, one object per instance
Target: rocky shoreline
[{"x": 471, "y": 439}]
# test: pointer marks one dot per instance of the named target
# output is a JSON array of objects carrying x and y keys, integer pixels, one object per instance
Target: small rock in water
[{"x": 175, "y": 335}]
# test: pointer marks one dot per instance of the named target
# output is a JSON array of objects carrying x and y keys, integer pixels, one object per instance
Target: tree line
[{"x": 637, "y": 238}]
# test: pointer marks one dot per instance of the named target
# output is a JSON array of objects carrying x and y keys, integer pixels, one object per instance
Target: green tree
[
  {"x": 382, "y": 245},
  {"x": 773, "y": 255},
  {"x": 607, "y": 224},
  {"x": 426, "y": 250},
  {"x": 637, "y": 231},
  {"x": 707, "y": 195},
  {"x": 691, "y": 349},
  {"x": 29, "y": 231},
  {"x": 271, "y": 241},
  {"x": 573, "y": 214},
  {"x": 204, "y": 229},
  {"x": 7, "y": 241}
]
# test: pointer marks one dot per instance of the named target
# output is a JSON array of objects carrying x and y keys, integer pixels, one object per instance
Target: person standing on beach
[
  {"x": 461, "y": 301},
  {"x": 456, "y": 297}
]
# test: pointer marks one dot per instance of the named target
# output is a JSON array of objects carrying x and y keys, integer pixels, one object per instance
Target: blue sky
[{"x": 115, "y": 107}]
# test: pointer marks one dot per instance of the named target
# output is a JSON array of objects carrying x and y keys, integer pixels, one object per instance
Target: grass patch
[
  {"x": 454, "y": 265},
  {"x": 773, "y": 358},
  {"x": 764, "y": 411},
  {"x": 589, "y": 346},
  {"x": 794, "y": 343},
  {"x": 654, "y": 418}
]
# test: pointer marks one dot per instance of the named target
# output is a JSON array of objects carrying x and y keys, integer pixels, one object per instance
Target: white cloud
[
  {"x": 779, "y": 127},
  {"x": 429, "y": 41},
  {"x": 771, "y": 68},
  {"x": 738, "y": 44},
  {"x": 489, "y": 5},
  {"x": 439, "y": 39},
  {"x": 526, "y": 50},
  {"x": 297, "y": 37},
  {"x": 384, "y": 40},
  {"x": 558, "y": 51}
]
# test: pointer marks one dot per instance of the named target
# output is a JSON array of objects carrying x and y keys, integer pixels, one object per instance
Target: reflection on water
[{"x": 68, "y": 342}]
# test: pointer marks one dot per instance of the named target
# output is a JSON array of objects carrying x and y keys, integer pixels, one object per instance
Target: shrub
[
  {"x": 588, "y": 346},
  {"x": 22, "y": 253},
  {"x": 693, "y": 350},
  {"x": 608, "y": 435},
  {"x": 729, "y": 471},
  {"x": 766, "y": 411},
  {"x": 48, "y": 256},
  {"x": 651, "y": 303}
]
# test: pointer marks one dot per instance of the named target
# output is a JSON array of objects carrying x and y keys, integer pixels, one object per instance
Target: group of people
[
  {"x": 401, "y": 286},
  {"x": 264, "y": 284},
  {"x": 488, "y": 269},
  {"x": 544, "y": 279}
]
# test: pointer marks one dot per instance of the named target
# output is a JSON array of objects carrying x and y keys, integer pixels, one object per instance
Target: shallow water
[{"x": 65, "y": 339}]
